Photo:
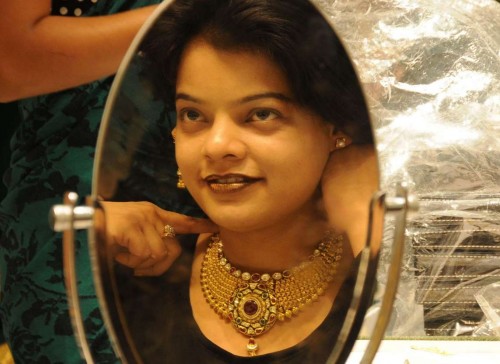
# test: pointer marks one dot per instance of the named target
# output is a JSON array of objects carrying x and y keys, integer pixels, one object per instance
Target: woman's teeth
[
  {"x": 228, "y": 180},
  {"x": 229, "y": 184}
]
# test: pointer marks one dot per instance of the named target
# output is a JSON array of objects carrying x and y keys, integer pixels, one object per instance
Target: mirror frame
[{"x": 103, "y": 271}]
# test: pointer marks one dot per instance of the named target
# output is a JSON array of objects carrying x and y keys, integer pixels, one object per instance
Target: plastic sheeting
[{"x": 431, "y": 73}]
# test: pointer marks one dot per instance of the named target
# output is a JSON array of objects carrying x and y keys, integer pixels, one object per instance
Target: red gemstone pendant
[{"x": 250, "y": 307}]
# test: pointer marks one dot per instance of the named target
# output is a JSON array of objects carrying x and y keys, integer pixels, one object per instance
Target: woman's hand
[
  {"x": 349, "y": 181},
  {"x": 135, "y": 231}
]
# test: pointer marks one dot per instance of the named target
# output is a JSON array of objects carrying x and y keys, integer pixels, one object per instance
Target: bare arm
[
  {"x": 349, "y": 181},
  {"x": 40, "y": 53}
]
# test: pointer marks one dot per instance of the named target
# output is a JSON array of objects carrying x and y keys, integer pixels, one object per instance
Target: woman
[{"x": 264, "y": 95}]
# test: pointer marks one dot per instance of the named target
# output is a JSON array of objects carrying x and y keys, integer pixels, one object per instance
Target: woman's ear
[
  {"x": 338, "y": 140},
  {"x": 173, "y": 132}
]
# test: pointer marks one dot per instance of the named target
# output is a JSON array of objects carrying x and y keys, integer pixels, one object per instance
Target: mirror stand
[
  {"x": 400, "y": 206},
  {"x": 67, "y": 218}
]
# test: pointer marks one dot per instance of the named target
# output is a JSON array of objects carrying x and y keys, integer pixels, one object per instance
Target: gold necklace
[{"x": 253, "y": 302}]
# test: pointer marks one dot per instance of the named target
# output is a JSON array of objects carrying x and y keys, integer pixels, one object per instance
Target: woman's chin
[{"x": 240, "y": 224}]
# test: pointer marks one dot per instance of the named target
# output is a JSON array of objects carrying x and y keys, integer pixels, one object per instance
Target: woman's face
[{"x": 249, "y": 155}]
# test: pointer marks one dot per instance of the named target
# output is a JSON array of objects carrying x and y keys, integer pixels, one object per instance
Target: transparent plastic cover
[{"x": 431, "y": 71}]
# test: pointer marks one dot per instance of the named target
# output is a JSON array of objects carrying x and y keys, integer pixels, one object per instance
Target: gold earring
[
  {"x": 180, "y": 181},
  {"x": 340, "y": 143}
]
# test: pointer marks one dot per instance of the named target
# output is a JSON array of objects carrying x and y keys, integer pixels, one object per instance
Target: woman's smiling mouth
[{"x": 229, "y": 182}]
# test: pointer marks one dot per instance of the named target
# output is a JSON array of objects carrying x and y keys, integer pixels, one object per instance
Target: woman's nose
[{"x": 224, "y": 140}]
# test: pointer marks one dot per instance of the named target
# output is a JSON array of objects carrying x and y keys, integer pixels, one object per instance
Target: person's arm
[
  {"x": 41, "y": 53},
  {"x": 349, "y": 181}
]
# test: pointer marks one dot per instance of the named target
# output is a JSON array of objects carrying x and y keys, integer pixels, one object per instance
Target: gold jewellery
[
  {"x": 168, "y": 231},
  {"x": 180, "y": 182},
  {"x": 253, "y": 302}
]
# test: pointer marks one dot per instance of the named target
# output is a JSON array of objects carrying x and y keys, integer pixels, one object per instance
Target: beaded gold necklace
[{"x": 253, "y": 302}]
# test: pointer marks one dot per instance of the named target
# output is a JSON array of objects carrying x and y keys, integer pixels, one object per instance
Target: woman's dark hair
[{"x": 291, "y": 32}]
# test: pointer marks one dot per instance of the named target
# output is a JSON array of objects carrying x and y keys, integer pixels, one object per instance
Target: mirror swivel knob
[{"x": 67, "y": 216}]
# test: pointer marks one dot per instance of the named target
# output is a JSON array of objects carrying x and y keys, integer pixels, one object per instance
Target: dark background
[{"x": 9, "y": 120}]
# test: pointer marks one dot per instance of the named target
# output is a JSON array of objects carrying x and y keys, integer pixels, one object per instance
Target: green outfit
[{"x": 51, "y": 152}]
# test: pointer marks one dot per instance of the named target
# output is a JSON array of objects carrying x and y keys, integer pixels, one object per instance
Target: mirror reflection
[{"x": 236, "y": 171}]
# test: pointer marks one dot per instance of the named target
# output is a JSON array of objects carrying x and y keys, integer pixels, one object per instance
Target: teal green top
[{"x": 51, "y": 152}]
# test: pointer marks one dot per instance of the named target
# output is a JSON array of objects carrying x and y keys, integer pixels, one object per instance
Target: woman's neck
[{"x": 274, "y": 248}]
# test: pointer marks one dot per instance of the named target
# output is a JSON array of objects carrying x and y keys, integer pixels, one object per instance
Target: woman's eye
[
  {"x": 263, "y": 115},
  {"x": 190, "y": 115}
]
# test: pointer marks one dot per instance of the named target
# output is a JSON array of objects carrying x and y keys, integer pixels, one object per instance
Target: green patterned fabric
[{"x": 51, "y": 152}]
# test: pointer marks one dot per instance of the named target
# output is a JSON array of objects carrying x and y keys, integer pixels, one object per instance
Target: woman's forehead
[{"x": 205, "y": 68}]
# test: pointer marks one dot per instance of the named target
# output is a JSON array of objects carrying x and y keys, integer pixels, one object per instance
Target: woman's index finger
[{"x": 184, "y": 224}]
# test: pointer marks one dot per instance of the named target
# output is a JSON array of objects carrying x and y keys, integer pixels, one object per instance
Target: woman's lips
[{"x": 229, "y": 183}]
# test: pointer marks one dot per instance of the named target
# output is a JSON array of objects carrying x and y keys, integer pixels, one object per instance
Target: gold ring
[{"x": 168, "y": 231}]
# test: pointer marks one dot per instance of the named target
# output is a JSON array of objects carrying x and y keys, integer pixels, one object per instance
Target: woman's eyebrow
[
  {"x": 266, "y": 95},
  {"x": 183, "y": 96}
]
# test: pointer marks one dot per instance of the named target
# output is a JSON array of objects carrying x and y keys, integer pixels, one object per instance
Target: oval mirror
[{"x": 238, "y": 177}]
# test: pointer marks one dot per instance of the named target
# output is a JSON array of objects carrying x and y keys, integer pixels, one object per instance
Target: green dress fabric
[{"x": 52, "y": 151}]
